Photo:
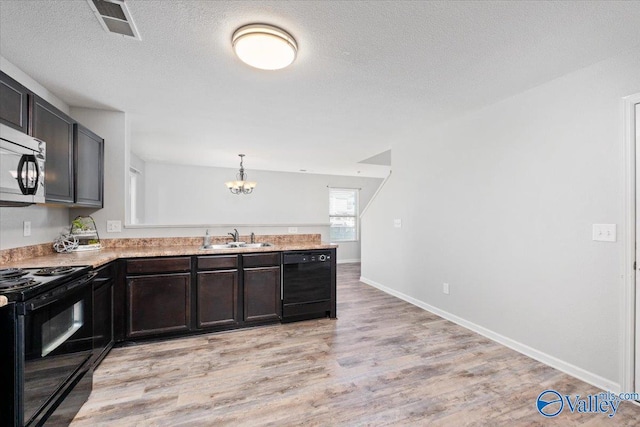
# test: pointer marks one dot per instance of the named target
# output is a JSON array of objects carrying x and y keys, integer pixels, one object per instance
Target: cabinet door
[
  {"x": 217, "y": 298},
  {"x": 56, "y": 129},
  {"x": 158, "y": 304},
  {"x": 262, "y": 294},
  {"x": 89, "y": 161},
  {"x": 13, "y": 103}
]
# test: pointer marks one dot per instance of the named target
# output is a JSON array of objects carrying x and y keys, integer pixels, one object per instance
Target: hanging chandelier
[{"x": 241, "y": 185}]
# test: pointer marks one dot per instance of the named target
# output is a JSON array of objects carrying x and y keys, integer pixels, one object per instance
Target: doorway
[{"x": 630, "y": 378}]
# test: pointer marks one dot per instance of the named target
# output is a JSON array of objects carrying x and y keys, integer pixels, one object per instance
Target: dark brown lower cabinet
[
  {"x": 262, "y": 294},
  {"x": 158, "y": 304},
  {"x": 217, "y": 298}
]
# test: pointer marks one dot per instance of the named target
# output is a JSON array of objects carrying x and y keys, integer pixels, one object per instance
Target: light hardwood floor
[{"x": 382, "y": 362}]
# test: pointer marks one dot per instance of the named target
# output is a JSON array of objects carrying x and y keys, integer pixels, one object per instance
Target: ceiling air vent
[{"x": 114, "y": 17}]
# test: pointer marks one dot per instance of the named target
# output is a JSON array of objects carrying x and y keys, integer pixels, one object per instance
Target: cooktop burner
[
  {"x": 10, "y": 273},
  {"x": 20, "y": 282},
  {"x": 53, "y": 271}
]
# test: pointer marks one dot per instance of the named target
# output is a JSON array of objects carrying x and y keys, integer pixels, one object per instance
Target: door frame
[{"x": 629, "y": 304}]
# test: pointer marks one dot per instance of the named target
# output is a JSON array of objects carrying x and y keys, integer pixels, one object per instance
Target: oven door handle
[{"x": 54, "y": 296}]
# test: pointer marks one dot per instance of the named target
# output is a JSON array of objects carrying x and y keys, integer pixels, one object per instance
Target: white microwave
[{"x": 22, "y": 159}]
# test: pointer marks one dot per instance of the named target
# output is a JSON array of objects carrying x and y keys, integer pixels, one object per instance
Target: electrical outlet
[
  {"x": 397, "y": 223},
  {"x": 114, "y": 226},
  {"x": 26, "y": 228},
  {"x": 293, "y": 230},
  {"x": 604, "y": 232},
  {"x": 445, "y": 288}
]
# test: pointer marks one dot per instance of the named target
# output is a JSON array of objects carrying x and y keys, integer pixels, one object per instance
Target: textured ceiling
[{"x": 366, "y": 72}]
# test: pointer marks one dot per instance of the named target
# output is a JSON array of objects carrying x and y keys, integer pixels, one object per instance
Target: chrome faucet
[{"x": 235, "y": 235}]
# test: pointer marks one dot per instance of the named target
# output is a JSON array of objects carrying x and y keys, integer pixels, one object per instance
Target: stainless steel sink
[
  {"x": 236, "y": 245},
  {"x": 255, "y": 245},
  {"x": 225, "y": 246}
]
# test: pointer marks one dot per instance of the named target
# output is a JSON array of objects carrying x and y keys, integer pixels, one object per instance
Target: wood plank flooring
[{"x": 382, "y": 362}]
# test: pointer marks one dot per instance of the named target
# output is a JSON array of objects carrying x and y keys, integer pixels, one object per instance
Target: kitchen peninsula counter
[{"x": 114, "y": 249}]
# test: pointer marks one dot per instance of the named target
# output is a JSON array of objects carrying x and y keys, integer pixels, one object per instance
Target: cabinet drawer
[
  {"x": 261, "y": 260},
  {"x": 158, "y": 265},
  {"x": 217, "y": 262}
]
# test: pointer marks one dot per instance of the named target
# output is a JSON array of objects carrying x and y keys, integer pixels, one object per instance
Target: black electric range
[
  {"x": 47, "y": 337},
  {"x": 21, "y": 284}
]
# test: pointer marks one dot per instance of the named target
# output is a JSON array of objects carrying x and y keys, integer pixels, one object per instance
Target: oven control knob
[{"x": 322, "y": 257}]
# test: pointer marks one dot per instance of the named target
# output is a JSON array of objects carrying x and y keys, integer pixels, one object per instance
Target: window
[
  {"x": 134, "y": 181},
  {"x": 343, "y": 214}
]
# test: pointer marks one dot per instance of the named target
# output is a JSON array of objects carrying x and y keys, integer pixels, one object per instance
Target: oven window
[
  {"x": 58, "y": 341},
  {"x": 58, "y": 329}
]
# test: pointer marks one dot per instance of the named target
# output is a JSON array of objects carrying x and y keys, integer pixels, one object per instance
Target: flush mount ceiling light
[
  {"x": 241, "y": 185},
  {"x": 264, "y": 46}
]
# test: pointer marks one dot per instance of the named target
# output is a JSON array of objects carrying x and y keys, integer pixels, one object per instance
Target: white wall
[
  {"x": 500, "y": 203},
  {"x": 183, "y": 194},
  {"x": 195, "y": 195},
  {"x": 141, "y": 174},
  {"x": 46, "y": 222}
]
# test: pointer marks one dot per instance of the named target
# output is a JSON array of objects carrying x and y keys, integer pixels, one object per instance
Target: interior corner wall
[
  {"x": 112, "y": 126},
  {"x": 504, "y": 212},
  {"x": 47, "y": 222}
]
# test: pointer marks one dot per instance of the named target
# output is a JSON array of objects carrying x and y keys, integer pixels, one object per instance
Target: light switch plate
[
  {"x": 114, "y": 226},
  {"x": 445, "y": 288},
  {"x": 397, "y": 223},
  {"x": 604, "y": 232}
]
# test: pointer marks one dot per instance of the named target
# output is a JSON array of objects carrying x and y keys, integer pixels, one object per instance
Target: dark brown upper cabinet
[
  {"x": 56, "y": 129},
  {"x": 14, "y": 107},
  {"x": 74, "y": 169},
  {"x": 89, "y": 167}
]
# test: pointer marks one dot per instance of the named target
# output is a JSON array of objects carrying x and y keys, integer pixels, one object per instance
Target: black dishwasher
[{"x": 307, "y": 285}]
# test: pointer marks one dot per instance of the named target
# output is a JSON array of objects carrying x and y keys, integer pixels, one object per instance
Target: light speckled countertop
[{"x": 106, "y": 255}]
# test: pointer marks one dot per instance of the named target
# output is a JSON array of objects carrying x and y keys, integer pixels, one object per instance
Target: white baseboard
[
  {"x": 547, "y": 359},
  {"x": 347, "y": 261}
]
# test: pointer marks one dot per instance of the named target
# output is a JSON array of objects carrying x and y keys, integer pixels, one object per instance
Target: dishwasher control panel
[{"x": 306, "y": 257}]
